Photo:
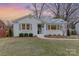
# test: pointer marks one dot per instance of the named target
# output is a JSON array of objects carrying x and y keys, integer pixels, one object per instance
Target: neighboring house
[
  {"x": 46, "y": 26},
  {"x": 2, "y": 29}
]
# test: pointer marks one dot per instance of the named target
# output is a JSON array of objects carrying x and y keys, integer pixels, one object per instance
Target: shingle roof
[{"x": 44, "y": 19}]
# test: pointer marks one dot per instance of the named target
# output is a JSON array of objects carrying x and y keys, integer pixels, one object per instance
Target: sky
[{"x": 12, "y": 11}]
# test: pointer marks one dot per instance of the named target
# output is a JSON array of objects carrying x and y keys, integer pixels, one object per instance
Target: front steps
[{"x": 40, "y": 35}]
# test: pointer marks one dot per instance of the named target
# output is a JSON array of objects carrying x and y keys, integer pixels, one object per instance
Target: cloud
[{"x": 12, "y": 11}]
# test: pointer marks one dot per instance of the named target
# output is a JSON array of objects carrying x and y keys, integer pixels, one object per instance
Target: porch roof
[{"x": 49, "y": 19}]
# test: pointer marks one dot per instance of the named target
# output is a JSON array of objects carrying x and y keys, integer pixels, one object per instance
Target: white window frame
[
  {"x": 20, "y": 26},
  {"x": 58, "y": 26}
]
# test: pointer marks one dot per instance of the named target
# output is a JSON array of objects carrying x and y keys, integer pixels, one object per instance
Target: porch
[{"x": 50, "y": 29}]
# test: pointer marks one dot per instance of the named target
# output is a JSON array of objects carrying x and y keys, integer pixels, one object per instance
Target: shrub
[
  {"x": 49, "y": 35},
  {"x": 59, "y": 35},
  {"x": 54, "y": 35},
  {"x": 21, "y": 35},
  {"x": 30, "y": 35},
  {"x": 26, "y": 35}
]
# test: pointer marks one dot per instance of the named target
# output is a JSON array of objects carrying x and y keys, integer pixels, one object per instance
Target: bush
[
  {"x": 26, "y": 35},
  {"x": 54, "y": 35},
  {"x": 30, "y": 35},
  {"x": 21, "y": 35},
  {"x": 49, "y": 35},
  {"x": 59, "y": 35}
]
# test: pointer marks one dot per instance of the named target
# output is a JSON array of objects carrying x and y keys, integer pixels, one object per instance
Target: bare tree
[
  {"x": 65, "y": 11},
  {"x": 41, "y": 10},
  {"x": 35, "y": 9},
  {"x": 38, "y": 10},
  {"x": 68, "y": 10},
  {"x": 71, "y": 11},
  {"x": 55, "y": 9}
]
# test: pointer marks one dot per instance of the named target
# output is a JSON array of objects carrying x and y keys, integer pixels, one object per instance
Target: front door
[{"x": 39, "y": 29}]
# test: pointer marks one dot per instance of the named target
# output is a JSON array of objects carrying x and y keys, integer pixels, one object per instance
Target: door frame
[{"x": 39, "y": 28}]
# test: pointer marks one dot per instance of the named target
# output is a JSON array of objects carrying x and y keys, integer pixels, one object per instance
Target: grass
[{"x": 38, "y": 47}]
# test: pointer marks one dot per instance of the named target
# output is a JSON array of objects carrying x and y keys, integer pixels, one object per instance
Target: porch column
[
  {"x": 44, "y": 31},
  {"x": 65, "y": 29}
]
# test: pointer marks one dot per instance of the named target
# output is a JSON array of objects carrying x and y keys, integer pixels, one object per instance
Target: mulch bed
[{"x": 57, "y": 36}]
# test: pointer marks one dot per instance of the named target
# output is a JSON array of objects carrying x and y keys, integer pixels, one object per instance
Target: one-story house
[{"x": 46, "y": 25}]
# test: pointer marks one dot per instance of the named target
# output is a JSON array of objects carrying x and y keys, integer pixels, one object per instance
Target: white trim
[
  {"x": 20, "y": 26},
  {"x": 57, "y": 27}
]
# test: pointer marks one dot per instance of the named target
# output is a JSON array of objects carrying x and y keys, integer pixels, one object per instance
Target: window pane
[
  {"x": 53, "y": 27},
  {"x": 28, "y": 26},
  {"x": 23, "y": 26},
  {"x": 59, "y": 27}
]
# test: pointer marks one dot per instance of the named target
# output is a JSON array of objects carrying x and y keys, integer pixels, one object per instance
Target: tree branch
[{"x": 41, "y": 9}]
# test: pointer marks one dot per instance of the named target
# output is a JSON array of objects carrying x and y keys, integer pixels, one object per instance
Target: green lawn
[{"x": 38, "y": 47}]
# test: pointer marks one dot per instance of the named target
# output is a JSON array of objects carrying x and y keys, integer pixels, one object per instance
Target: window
[
  {"x": 53, "y": 27},
  {"x": 25, "y": 26},
  {"x": 28, "y": 26}
]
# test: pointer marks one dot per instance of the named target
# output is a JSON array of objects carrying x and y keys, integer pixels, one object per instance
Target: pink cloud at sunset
[{"x": 12, "y": 12}]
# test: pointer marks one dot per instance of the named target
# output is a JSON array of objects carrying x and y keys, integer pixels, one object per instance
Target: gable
[{"x": 27, "y": 19}]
